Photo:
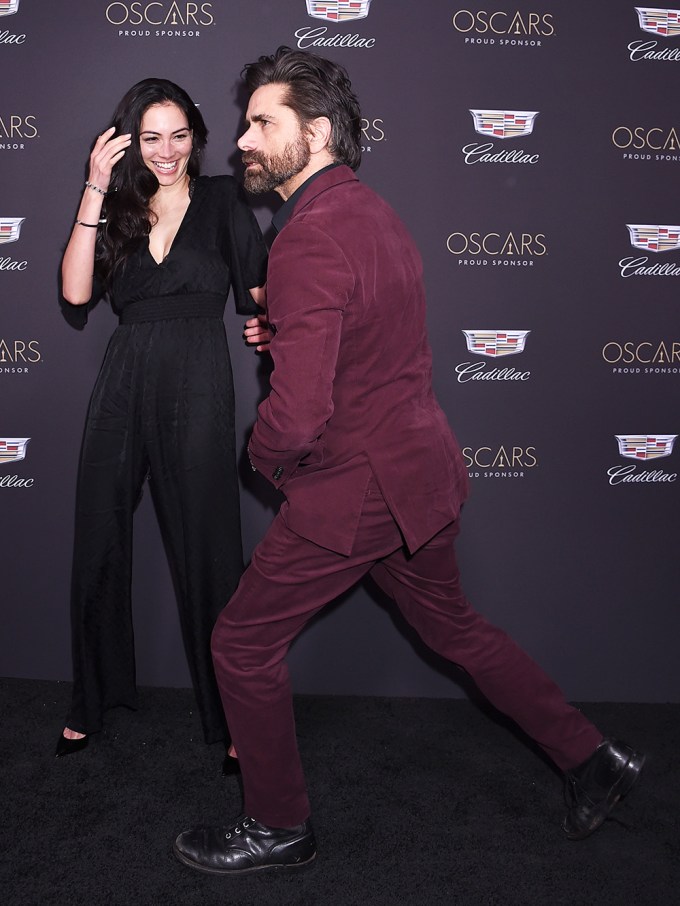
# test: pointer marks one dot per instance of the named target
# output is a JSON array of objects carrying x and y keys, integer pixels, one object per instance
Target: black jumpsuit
[{"x": 163, "y": 409}]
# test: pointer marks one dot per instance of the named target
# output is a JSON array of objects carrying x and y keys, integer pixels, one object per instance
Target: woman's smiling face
[{"x": 165, "y": 142}]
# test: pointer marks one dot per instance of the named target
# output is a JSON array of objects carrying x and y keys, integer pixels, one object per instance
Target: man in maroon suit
[{"x": 373, "y": 477}]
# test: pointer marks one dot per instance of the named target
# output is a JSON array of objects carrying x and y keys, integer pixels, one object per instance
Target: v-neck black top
[{"x": 218, "y": 245}]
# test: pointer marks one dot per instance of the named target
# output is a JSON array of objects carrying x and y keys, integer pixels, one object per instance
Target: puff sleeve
[{"x": 246, "y": 250}]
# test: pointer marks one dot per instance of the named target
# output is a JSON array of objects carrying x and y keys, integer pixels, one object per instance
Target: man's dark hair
[{"x": 314, "y": 87}]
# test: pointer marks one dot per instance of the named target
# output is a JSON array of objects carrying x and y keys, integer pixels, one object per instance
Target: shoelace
[
  {"x": 239, "y": 827},
  {"x": 576, "y": 792}
]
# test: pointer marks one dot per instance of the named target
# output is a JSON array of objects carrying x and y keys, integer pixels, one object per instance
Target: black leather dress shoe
[
  {"x": 246, "y": 846},
  {"x": 595, "y": 786},
  {"x": 70, "y": 746}
]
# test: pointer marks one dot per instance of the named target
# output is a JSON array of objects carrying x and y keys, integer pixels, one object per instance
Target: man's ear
[{"x": 319, "y": 133}]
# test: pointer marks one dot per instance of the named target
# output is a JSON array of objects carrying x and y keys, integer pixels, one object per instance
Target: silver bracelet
[{"x": 91, "y": 185}]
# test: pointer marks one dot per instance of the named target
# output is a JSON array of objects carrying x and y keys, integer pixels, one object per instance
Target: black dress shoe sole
[
  {"x": 629, "y": 777},
  {"x": 229, "y": 872}
]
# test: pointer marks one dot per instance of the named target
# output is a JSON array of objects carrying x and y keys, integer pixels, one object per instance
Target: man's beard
[{"x": 277, "y": 169}]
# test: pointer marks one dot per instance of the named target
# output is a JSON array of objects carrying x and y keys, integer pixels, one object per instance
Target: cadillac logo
[
  {"x": 665, "y": 22},
  {"x": 12, "y": 449},
  {"x": 8, "y": 7},
  {"x": 504, "y": 123},
  {"x": 654, "y": 238},
  {"x": 495, "y": 343},
  {"x": 338, "y": 10},
  {"x": 10, "y": 228},
  {"x": 645, "y": 446}
]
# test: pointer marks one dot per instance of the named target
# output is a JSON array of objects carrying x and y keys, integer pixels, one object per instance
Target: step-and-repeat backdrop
[{"x": 533, "y": 149}]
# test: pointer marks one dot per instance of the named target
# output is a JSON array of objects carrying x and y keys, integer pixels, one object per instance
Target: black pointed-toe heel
[
  {"x": 70, "y": 746},
  {"x": 230, "y": 765}
]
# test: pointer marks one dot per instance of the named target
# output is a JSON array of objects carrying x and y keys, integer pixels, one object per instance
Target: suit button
[{"x": 277, "y": 473}]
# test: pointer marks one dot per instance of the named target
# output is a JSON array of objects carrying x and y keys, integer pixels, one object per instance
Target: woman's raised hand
[
  {"x": 107, "y": 151},
  {"x": 78, "y": 262}
]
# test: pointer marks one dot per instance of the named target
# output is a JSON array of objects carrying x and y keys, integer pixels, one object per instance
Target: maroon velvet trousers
[{"x": 291, "y": 579}]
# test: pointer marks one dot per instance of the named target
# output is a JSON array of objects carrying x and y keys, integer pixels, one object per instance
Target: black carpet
[{"x": 416, "y": 801}]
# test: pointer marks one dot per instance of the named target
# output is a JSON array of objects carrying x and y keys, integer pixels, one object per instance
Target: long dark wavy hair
[
  {"x": 133, "y": 185},
  {"x": 314, "y": 87}
]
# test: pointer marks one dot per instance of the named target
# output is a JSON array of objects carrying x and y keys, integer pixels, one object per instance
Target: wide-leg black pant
[{"x": 162, "y": 409}]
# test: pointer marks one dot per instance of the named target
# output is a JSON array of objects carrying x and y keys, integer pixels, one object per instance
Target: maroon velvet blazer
[{"x": 351, "y": 391}]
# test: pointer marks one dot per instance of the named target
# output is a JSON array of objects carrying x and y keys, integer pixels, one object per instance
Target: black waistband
[{"x": 191, "y": 305}]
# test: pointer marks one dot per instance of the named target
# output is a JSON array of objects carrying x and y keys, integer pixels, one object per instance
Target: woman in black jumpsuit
[{"x": 163, "y": 405}]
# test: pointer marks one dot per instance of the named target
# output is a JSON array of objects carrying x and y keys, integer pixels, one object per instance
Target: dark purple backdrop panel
[{"x": 562, "y": 224}]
